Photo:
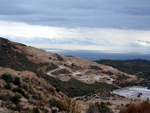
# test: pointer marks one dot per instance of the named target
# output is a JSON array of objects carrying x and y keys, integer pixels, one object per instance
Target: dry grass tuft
[
  {"x": 69, "y": 105},
  {"x": 143, "y": 107}
]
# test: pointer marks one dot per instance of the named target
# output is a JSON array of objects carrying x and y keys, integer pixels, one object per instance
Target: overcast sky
[{"x": 108, "y": 25}]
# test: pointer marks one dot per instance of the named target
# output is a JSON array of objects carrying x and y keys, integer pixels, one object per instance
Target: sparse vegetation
[
  {"x": 62, "y": 71},
  {"x": 14, "y": 59},
  {"x": 141, "y": 69},
  {"x": 96, "y": 68},
  {"x": 107, "y": 72},
  {"x": 74, "y": 87},
  {"x": 122, "y": 77},
  {"x": 19, "y": 90},
  {"x": 52, "y": 67},
  {"x": 98, "y": 108}
]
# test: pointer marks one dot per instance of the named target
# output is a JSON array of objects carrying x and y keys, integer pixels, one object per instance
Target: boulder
[
  {"x": 23, "y": 100},
  {"x": 55, "y": 109}
]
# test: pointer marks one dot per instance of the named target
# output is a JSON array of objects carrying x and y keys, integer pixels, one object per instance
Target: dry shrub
[
  {"x": 143, "y": 107},
  {"x": 69, "y": 105}
]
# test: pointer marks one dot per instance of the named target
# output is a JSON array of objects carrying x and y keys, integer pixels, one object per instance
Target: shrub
[
  {"x": 35, "y": 110},
  {"x": 57, "y": 89},
  {"x": 143, "y": 107},
  {"x": 7, "y": 77},
  {"x": 14, "y": 90},
  {"x": 52, "y": 90},
  {"x": 31, "y": 91},
  {"x": 69, "y": 105},
  {"x": 38, "y": 75},
  {"x": 25, "y": 87},
  {"x": 8, "y": 86},
  {"x": 2, "y": 96},
  {"x": 16, "y": 81},
  {"x": 19, "y": 90},
  {"x": 15, "y": 99},
  {"x": 35, "y": 97},
  {"x": 52, "y": 67}
]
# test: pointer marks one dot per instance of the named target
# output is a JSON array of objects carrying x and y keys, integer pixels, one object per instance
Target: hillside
[
  {"x": 67, "y": 71},
  {"x": 137, "y": 67},
  {"x": 49, "y": 75},
  {"x": 24, "y": 91}
]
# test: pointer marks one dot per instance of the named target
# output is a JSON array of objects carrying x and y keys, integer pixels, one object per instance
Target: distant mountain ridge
[
  {"x": 129, "y": 60},
  {"x": 137, "y": 60},
  {"x": 139, "y": 67}
]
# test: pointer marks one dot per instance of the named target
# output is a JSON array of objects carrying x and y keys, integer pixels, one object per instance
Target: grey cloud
[
  {"x": 147, "y": 42},
  {"x": 42, "y": 40},
  {"x": 85, "y": 13},
  {"x": 131, "y": 44}
]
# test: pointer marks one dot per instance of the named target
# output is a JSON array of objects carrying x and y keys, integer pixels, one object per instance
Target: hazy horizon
[{"x": 99, "y": 55}]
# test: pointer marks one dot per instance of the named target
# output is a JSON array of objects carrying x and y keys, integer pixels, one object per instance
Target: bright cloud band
[{"x": 77, "y": 38}]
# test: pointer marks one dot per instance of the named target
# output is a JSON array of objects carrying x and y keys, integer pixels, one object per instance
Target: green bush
[
  {"x": 52, "y": 90},
  {"x": 57, "y": 89},
  {"x": 52, "y": 67},
  {"x": 15, "y": 99},
  {"x": 7, "y": 77},
  {"x": 19, "y": 90},
  {"x": 25, "y": 87},
  {"x": 35, "y": 110},
  {"x": 16, "y": 81},
  {"x": 8, "y": 86}
]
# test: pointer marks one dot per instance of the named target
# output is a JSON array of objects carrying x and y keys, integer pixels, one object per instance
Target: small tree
[
  {"x": 15, "y": 99},
  {"x": 16, "y": 81},
  {"x": 7, "y": 77},
  {"x": 8, "y": 86}
]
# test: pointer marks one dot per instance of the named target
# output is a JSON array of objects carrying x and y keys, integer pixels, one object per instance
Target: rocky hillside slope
[
  {"x": 24, "y": 91},
  {"x": 42, "y": 80},
  {"x": 68, "y": 71}
]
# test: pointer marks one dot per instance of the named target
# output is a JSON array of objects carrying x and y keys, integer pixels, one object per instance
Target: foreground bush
[
  {"x": 69, "y": 105},
  {"x": 143, "y": 107}
]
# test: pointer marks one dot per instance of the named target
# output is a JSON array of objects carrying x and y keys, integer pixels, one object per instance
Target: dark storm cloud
[{"x": 83, "y": 13}]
